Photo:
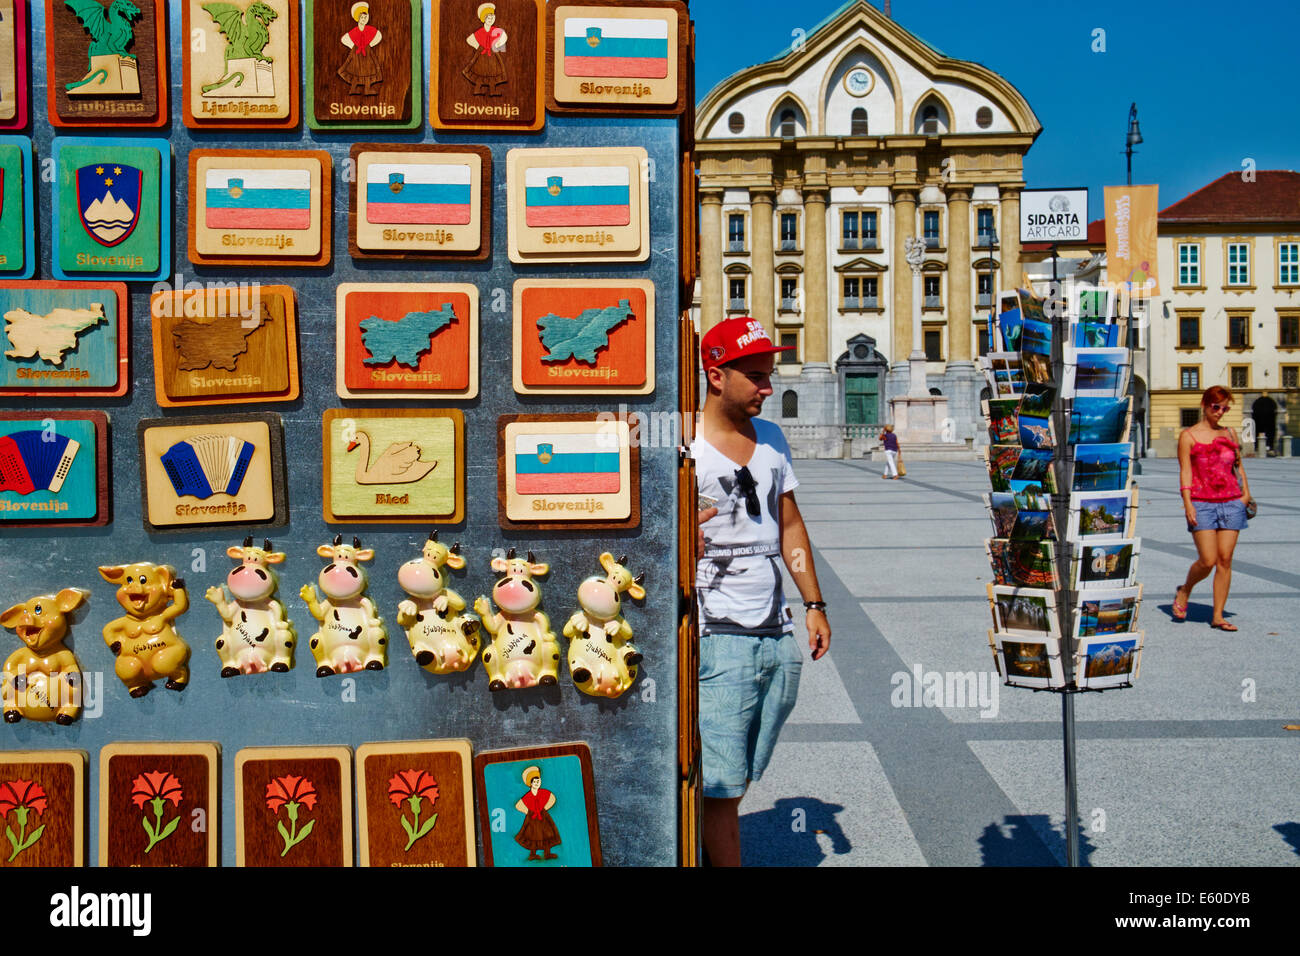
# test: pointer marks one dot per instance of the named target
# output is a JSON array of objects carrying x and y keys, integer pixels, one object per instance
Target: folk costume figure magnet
[
  {"x": 487, "y": 65},
  {"x": 602, "y": 659},
  {"x": 351, "y": 636},
  {"x": 43, "y": 680},
  {"x": 524, "y": 651},
  {"x": 144, "y": 640},
  {"x": 443, "y": 639},
  {"x": 363, "y": 59},
  {"x": 258, "y": 636}
]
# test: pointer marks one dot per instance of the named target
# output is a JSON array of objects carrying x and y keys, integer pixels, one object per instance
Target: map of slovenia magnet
[
  {"x": 406, "y": 340},
  {"x": 584, "y": 336},
  {"x": 17, "y": 237},
  {"x": 64, "y": 338},
  {"x": 108, "y": 214}
]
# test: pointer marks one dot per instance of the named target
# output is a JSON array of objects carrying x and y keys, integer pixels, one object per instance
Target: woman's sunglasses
[
  {"x": 749, "y": 488},
  {"x": 1216, "y": 407}
]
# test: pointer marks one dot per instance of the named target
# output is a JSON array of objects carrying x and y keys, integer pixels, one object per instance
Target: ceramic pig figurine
[
  {"x": 442, "y": 639},
  {"x": 43, "y": 680},
  {"x": 602, "y": 660},
  {"x": 351, "y": 635},
  {"x": 524, "y": 651},
  {"x": 257, "y": 635},
  {"x": 144, "y": 642}
]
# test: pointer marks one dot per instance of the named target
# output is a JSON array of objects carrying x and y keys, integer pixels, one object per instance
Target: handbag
[
  {"x": 902, "y": 468},
  {"x": 1251, "y": 508}
]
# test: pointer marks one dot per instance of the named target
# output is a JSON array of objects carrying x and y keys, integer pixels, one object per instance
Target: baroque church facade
[{"x": 815, "y": 169}]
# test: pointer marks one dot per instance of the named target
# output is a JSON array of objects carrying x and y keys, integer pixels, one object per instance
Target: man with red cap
[{"x": 749, "y": 658}]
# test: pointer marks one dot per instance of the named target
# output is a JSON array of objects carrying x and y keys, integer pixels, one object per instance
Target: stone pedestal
[{"x": 919, "y": 421}]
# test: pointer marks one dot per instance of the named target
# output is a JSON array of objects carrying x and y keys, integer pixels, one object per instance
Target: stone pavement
[{"x": 1191, "y": 766}]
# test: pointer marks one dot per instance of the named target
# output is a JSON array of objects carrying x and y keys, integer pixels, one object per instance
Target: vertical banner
[{"x": 1131, "y": 238}]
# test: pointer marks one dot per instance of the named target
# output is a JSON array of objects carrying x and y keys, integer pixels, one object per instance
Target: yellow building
[
  {"x": 815, "y": 168},
  {"x": 1229, "y": 313}
]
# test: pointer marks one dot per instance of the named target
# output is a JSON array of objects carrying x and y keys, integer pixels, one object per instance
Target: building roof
[
  {"x": 1272, "y": 195},
  {"x": 827, "y": 21}
]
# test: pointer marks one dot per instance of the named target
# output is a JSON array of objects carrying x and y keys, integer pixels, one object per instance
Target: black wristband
[{"x": 815, "y": 606}]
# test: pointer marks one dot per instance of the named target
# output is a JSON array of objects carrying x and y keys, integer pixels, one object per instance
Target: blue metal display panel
[{"x": 633, "y": 739}]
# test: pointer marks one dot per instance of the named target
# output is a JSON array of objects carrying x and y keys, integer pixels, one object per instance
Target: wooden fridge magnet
[
  {"x": 14, "y": 81},
  {"x": 225, "y": 346},
  {"x": 609, "y": 56},
  {"x": 572, "y": 205},
  {"x": 106, "y": 62},
  {"x": 487, "y": 65},
  {"x": 43, "y": 808},
  {"x": 570, "y": 470},
  {"x": 64, "y": 338},
  {"x": 406, "y": 340},
  {"x": 42, "y": 681},
  {"x": 54, "y": 469},
  {"x": 108, "y": 216},
  {"x": 401, "y": 465},
  {"x": 547, "y": 795},
  {"x": 415, "y": 801},
  {"x": 363, "y": 64},
  {"x": 159, "y": 804},
  {"x": 17, "y": 225},
  {"x": 420, "y": 201},
  {"x": 584, "y": 336},
  {"x": 293, "y": 806},
  {"x": 212, "y": 470},
  {"x": 240, "y": 64},
  {"x": 267, "y": 207}
]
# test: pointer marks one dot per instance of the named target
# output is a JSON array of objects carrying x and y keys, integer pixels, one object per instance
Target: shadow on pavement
[
  {"x": 1291, "y": 833},
  {"x": 1032, "y": 841},
  {"x": 786, "y": 835}
]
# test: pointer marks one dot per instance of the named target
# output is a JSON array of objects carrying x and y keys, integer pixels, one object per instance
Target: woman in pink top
[{"x": 1214, "y": 500}]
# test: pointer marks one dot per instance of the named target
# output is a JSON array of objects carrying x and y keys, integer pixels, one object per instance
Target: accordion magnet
[
  {"x": 53, "y": 469},
  {"x": 212, "y": 470}
]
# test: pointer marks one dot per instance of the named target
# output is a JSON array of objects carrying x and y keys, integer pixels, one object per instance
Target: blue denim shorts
[
  {"x": 748, "y": 687},
  {"x": 1219, "y": 515}
]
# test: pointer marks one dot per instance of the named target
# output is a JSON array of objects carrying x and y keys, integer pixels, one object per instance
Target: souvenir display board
[{"x": 262, "y": 631}]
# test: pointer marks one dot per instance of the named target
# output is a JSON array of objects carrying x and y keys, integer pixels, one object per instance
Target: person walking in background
[
  {"x": 749, "y": 658},
  {"x": 1216, "y": 501},
  {"x": 891, "y": 452}
]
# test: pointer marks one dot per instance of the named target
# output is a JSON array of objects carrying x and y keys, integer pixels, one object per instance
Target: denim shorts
[
  {"x": 748, "y": 686},
  {"x": 1227, "y": 515}
]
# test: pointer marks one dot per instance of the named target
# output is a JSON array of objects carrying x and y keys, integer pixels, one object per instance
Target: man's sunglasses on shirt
[{"x": 749, "y": 488}]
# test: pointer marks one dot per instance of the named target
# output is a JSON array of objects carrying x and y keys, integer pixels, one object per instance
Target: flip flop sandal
[
  {"x": 1224, "y": 626},
  {"x": 1179, "y": 611}
]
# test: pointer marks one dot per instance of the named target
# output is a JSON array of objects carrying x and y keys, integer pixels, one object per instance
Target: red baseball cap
[{"x": 736, "y": 338}]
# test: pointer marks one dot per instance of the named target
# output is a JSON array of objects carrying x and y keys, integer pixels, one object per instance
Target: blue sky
[{"x": 1215, "y": 83}]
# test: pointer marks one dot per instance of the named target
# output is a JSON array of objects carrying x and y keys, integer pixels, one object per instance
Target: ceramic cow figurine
[
  {"x": 144, "y": 642},
  {"x": 351, "y": 635},
  {"x": 524, "y": 651},
  {"x": 602, "y": 660},
  {"x": 42, "y": 681},
  {"x": 257, "y": 635},
  {"x": 442, "y": 639}
]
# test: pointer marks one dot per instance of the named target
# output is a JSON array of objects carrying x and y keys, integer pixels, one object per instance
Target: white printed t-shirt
[{"x": 738, "y": 579}]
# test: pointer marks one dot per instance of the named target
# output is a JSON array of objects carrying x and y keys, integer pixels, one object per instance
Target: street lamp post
[{"x": 1133, "y": 137}]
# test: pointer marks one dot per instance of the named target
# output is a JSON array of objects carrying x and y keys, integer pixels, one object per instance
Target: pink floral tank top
[{"x": 1213, "y": 478}]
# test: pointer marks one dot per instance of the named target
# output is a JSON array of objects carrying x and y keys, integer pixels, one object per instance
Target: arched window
[
  {"x": 787, "y": 124},
  {"x": 859, "y": 122},
  {"x": 930, "y": 121},
  {"x": 789, "y": 404},
  {"x": 736, "y": 122}
]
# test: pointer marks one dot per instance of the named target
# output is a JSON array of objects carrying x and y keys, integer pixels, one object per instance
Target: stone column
[
  {"x": 816, "y": 320},
  {"x": 710, "y": 259},
  {"x": 764, "y": 300},
  {"x": 904, "y": 229},
  {"x": 1009, "y": 236},
  {"x": 959, "y": 297}
]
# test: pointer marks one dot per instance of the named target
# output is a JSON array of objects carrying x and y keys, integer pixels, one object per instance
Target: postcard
[
  {"x": 1102, "y": 513},
  {"x": 1030, "y": 663},
  {"x": 1003, "y": 417},
  {"x": 1035, "y": 464},
  {"x": 1101, "y": 467},
  {"x": 1024, "y": 610},
  {"x": 1099, "y": 420},
  {"x": 1033, "y": 526},
  {"x": 1095, "y": 372},
  {"x": 1090, "y": 334},
  {"x": 1008, "y": 377},
  {"x": 1107, "y": 612},
  {"x": 1002, "y": 509},
  {"x": 1105, "y": 563},
  {"x": 1091, "y": 303},
  {"x": 1009, "y": 323},
  {"x": 1110, "y": 661},
  {"x": 1025, "y": 564}
]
